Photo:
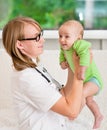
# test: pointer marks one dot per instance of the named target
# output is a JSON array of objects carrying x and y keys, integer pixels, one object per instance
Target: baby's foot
[{"x": 98, "y": 121}]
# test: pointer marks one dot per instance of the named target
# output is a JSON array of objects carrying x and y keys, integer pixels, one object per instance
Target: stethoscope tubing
[{"x": 43, "y": 75}]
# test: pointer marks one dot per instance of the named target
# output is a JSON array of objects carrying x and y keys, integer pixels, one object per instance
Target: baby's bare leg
[
  {"x": 92, "y": 105},
  {"x": 91, "y": 89},
  {"x": 88, "y": 90}
]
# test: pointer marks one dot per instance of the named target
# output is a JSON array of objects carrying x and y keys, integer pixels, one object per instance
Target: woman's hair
[{"x": 13, "y": 31}]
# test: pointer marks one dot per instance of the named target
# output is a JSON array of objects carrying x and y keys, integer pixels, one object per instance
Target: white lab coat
[{"x": 33, "y": 97}]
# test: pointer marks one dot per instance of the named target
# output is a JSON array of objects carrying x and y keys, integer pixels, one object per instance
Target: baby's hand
[
  {"x": 81, "y": 72},
  {"x": 81, "y": 76},
  {"x": 64, "y": 65}
]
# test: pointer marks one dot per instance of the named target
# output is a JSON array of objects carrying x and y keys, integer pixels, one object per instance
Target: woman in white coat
[{"x": 40, "y": 102}]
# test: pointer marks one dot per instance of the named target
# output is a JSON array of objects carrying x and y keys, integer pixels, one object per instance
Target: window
[{"x": 51, "y": 13}]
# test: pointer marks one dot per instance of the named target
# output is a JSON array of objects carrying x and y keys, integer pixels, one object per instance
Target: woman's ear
[{"x": 19, "y": 45}]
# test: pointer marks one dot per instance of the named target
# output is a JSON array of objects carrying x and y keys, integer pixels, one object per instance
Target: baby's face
[{"x": 67, "y": 36}]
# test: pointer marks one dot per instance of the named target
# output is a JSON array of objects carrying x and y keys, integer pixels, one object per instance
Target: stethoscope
[
  {"x": 44, "y": 70},
  {"x": 59, "y": 86}
]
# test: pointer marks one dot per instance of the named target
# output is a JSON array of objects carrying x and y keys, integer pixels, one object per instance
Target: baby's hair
[{"x": 77, "y": 24}]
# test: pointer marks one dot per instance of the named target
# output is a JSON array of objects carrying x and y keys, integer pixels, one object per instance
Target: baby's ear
[{"x": 80, "y": 37}]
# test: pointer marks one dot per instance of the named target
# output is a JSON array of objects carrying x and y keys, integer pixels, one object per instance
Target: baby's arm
[
  {"x": 82, "y": 69},
  {"x": 83, "y": 50},
  {"x": 62, "y": 60}
]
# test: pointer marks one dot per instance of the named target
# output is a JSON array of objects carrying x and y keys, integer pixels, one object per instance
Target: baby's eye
[
  {"x": 67, "y": 36},
  {"x": 60, "y": 36}
]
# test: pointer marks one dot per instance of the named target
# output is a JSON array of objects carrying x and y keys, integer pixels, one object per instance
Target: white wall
[
  {"x": 98, "y": 38},
  {"x": 50, "y": 61}
]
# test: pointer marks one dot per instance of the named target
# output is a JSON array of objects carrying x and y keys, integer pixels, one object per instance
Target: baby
[{"x": 71, "y": 40}]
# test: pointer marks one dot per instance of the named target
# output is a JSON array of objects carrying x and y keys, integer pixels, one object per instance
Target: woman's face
[{"x": 28, "y": 46}]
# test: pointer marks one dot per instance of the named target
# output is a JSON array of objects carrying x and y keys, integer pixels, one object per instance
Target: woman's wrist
[{"x": 62, "y": 91}]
